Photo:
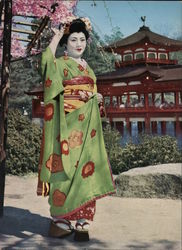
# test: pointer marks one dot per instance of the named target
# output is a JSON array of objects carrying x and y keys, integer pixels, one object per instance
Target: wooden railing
[
  {"x": 38, "y": 109},
  {"x": 145, "y": 60},
  {"x": 150, "y": 109}
]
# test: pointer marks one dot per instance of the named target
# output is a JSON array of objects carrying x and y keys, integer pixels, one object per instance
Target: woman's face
[{"x": 76, "y": 44}]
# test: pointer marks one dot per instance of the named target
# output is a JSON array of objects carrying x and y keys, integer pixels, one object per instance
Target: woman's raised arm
[{"x": 58, "y": 34}]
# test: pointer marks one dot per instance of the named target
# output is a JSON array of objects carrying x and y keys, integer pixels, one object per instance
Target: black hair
[{"x": 77, "y": 25}]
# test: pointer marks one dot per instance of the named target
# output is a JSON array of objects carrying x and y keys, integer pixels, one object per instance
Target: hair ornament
[{"x": 70, "y": 19}]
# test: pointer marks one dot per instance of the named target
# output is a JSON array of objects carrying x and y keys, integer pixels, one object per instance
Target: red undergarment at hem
[{"x": 86, "y": 212}]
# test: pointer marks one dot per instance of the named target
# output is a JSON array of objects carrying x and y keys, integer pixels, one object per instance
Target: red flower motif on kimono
[
  {"x": 81, "y": 117},
  {"x": 58, "y": 198},
  {"x": 80, "y": 67},
  {"x": 75, "y": 138},
  {"x": 88, "y": 169},
  {"x": 64, "y": 147},
  {"x": 65, "y": 71},
  {"x": 49, "y": 112},
  {"x": 54, "y": 163},
  {"x": 93, "y": 133},
  {"x": 48, "y": 82}
]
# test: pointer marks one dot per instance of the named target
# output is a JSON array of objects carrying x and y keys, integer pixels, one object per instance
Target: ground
[{"x": 120, "y": 223}]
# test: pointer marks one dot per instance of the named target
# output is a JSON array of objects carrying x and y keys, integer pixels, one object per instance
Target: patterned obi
[{"x": 77, "y": 91}]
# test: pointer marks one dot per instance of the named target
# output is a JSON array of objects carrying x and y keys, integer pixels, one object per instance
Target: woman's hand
[
  {"x": 58, "y": 34},
  {"x": 99, "y": 98},
  {"x": 83, "y": 95}
]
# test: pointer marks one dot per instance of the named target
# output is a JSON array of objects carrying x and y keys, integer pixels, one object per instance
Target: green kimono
[{"x": 74, "y": 160}]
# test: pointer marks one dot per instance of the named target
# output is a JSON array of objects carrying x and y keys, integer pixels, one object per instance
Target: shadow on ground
[
  {"x": 155, "y": 245},
  {"x": 18, "y": 221},
  {"x": 19, "y": 228}
]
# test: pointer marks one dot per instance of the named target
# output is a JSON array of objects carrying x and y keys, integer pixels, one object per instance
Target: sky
[{"x": 163, "y": 17}]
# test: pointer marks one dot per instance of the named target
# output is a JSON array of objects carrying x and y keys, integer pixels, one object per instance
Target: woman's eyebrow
[{"x": 77, "y": 37}]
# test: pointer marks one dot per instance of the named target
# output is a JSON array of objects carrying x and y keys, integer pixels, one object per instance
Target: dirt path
[{"x": 120, "y": 223}]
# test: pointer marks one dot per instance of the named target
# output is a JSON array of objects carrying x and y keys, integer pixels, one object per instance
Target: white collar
[{"x": 80, "y": 61}]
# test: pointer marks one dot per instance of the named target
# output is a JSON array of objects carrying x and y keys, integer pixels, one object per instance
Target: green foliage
[
  {"x": 176, "y": 56},
  {"x": 115, "y": 36},
  {"x": 23, "y": 144},
  {"x": 151, "y": 150},
  {"x": 112, "y": 140},
  {"x": 24, "y": 76},
  {"x": 99, "y": 60}
]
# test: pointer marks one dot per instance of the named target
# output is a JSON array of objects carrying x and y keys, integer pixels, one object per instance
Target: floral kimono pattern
[{"x": 74, "y": 167}]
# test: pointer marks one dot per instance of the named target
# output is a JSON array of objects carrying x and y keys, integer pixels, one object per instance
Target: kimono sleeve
[
  {"x": 92, "y": 74},
  {"x": 51, "y": 74}
]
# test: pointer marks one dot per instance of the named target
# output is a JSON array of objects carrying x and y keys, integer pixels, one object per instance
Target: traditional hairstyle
[{"x": 76, "y": 25}]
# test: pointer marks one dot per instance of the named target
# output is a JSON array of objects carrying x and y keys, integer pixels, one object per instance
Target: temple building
[{"x": 146, "y": 86}]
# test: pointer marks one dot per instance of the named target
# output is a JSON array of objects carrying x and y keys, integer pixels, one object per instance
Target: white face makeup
[{"x": 76, "y": 44}]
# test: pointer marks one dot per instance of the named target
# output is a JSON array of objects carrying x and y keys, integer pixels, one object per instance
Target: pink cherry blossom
[{"x": 41, "y": 8}]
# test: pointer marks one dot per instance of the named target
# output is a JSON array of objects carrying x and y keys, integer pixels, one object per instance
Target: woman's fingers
[
  {"x": 58, "y": 32},
  {"x": 55, "y": 30}
]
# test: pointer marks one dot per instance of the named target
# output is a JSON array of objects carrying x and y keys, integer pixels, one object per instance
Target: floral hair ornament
[{"x": 70, "y": 19}]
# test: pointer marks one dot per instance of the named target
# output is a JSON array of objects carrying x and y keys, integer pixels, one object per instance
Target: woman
[{"x": 74, "y": 169}]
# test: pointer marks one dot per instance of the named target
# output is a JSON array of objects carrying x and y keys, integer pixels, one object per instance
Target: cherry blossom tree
[{"x": 57, "y": 10}]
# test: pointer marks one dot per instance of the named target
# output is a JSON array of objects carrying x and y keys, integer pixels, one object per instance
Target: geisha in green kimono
[{"x": 74, "y": 169}]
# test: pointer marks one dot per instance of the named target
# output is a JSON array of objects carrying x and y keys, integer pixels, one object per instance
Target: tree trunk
[{"x": 4, "y": 90}]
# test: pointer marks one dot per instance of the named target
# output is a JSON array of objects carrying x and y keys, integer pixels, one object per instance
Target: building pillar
[
  {"x": 128, "y": 99},
  {"x": 117, "y": 101},
  {"x": 153, "y": 99},
  {"x": 120, "y": 127},
  {"x": 176, "y": 99},
  {"x": 140, "y": 127},
  {"x": 147, "y": 124},
  {"x": 128, "y": 125},
  {"x": 162, "y": 98},
  {"x": 180, "y": 101},
  {"x": 154, "y": 127},
  {"x": 121, "y": 99},
  {"x": 177, "y": 126},
  {"x": 110, "y": 101},
  {"x": 146, "y": 101},
  {"x": 145, "y": 54},
  {"x": 163, "y": 127}
]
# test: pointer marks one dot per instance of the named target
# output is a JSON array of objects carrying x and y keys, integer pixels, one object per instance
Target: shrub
[
  {"x": 23, "y": 144},
  {"x": 112, "y": 140},
  {"x": 23, "y": 148},
  {"x": 151, "y": 150}
]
